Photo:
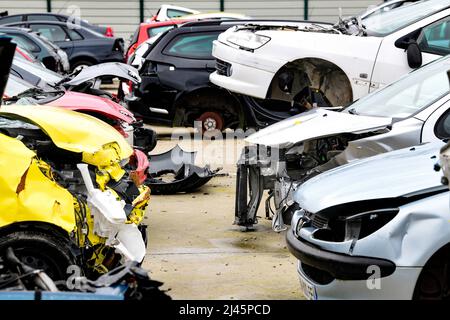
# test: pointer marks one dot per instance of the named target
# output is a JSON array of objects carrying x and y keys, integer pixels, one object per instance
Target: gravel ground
[{"x": 197, "y": 252}]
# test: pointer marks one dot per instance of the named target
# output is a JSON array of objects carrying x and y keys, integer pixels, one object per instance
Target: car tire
[
  {"x": 434, "y": 280},
  {"x": 81, "y": 63},
  {"x": 40, "y": 250}
]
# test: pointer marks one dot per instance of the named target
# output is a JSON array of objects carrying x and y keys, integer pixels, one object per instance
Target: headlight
[{"x": 248, "y": 40}]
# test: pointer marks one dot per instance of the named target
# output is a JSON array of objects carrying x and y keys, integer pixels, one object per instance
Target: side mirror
[{"x": 414, "y": 55}]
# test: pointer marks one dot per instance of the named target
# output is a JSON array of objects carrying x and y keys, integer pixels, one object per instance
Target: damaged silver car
[
  {"x": 413, "y": 110},
  {"x": 375, "y": 229}
]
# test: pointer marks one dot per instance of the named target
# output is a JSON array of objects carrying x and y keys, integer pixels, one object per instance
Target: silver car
[
  {"x": 412, "y": 110},
  {"x": 377, "y": 228}
]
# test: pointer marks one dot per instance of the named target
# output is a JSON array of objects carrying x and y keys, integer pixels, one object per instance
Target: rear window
[
  {"x": 24, "y": 42},
  {"x": 173, "y": 13},
  {"x": 151, "y": 32},
  {"x": 195, "y": 46}
]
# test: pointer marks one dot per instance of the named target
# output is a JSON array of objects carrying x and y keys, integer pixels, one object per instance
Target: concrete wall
[{"x": 124, "y": 16}]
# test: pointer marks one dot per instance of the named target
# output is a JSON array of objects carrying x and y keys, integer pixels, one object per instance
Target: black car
[
  {"x": 175, "y": 88},
  {"x": 39, "y": 47},
  {"x": 83, "y": 46},
  {"x": 6, "y": 19}
]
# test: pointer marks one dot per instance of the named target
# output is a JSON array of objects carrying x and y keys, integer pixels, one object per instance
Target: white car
[
  {"x": 315, "y": 65},
  {"x": 383, "y": 234},
  {"x": 413, "y": 110}
]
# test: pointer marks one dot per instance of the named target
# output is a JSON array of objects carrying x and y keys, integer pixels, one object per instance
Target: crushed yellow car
[{"x": 65, "y": 193}]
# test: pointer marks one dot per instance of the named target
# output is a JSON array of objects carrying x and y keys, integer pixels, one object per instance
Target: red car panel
[{"x": 84, "y": 102}]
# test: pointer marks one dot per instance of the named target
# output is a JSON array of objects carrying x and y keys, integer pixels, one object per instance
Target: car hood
[
  {"x": 88, "y": 103},
  {"x": 116, "y": 69},
  {"x": 390, "y": 175},
  {"x": 68, "y": 130},
  {"x": 315, "y": 124}
]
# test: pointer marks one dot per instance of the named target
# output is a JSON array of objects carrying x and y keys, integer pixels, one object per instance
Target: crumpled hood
[
  {"x": 86, "y": 102},
  {"x": 117, "y": 69},
  {"x": 72, "y": 131},
  {"x": 315, "y": 124},
  {"x": 387, "y": 175}
]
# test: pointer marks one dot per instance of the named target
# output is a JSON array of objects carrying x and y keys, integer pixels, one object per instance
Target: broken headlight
[
  {"x": 353, "y": 227},
  {"x": 363, "y": 224},
  {"x": 248, "y": 40}
]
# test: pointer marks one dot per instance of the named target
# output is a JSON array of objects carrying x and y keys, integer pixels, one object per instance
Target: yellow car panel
[
  {"x": 26, "y": 193},
  {"x": 71, "y": 130}
]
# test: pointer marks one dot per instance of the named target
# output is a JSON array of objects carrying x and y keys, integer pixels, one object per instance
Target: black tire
[
  {"x": 81, "y": 63},
  {"x": 40, "y": 250},
  {"x": 434, "y": 280}
]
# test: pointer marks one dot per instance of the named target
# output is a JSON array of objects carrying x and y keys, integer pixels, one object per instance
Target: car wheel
[
  {"x": 434, "y": 280},
  {"x": 81, "y": 64},
  {"x": 40, "y": 250},
  {"x": 211, "y": 121}
]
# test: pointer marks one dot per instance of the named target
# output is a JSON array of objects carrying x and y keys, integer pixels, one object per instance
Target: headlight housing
[{"x": 248, "y": 40}]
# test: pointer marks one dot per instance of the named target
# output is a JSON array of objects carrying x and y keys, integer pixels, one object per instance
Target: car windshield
[
  {"x": 45, "y": 74},
  {"x": 390, "y": 21},
  {"x": 15, "y": 86},
  {"x": 407, "y": 96}
]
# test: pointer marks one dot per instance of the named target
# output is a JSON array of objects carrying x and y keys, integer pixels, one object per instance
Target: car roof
[
  {"x": 18, "y": 29},
  {"x": 34, "y": 14},
  {"x": 217, "y": 22}
]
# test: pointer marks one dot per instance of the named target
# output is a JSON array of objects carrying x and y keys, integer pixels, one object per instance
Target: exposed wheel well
[
  {"x": 315, "y": 73},
  {"x": 188, "y": 107}
]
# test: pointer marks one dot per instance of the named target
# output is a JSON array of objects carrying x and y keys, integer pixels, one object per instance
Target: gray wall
[{"x": 123, "y": 16}]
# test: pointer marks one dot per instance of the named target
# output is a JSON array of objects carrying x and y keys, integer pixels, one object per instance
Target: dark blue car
[{"x": 84, "y": 47}]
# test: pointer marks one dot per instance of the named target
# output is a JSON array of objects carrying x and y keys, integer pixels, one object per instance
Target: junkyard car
[
  {"x": 107, "y": 31},
  {"x": 375, "y": 229},
  {"x": 83, "y": 46},
  {"x": 21, "y": 92},
  {"x": 413, "y": 110},
  {"x": 66, "y": 197},
  {"x": 331, "y": 66},
  {"x": 175, "y": 88},
  {"x": 51, "y": 56}
]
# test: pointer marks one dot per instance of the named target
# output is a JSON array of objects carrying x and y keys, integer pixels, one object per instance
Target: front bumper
[
  {"x": 329, "y": 275},
  {"x": 337, "y": 265},
  {"x": 398, "y": 286}
]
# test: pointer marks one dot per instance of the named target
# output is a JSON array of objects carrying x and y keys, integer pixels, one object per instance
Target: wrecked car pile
[{"x": 351, "y": 120}]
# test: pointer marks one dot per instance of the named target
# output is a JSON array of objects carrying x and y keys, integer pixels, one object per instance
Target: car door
[
  {"x": 56, "y": 34},
  {"x": 185, "y": 63},
  {"x": 433, "y": 38}
]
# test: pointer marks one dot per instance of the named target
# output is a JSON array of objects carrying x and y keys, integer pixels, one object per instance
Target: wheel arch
[{"x": 319, "y": 73}]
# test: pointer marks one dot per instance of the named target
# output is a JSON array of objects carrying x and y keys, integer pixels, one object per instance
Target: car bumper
[
  {"x": 350, "y": 277},
  {"x": 398, "y": 286},
  {"x": 339, "y": 266},
  {"x": 247, "y": 76}
]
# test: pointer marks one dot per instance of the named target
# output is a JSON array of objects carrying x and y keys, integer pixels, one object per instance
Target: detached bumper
[{"x": 339, "y": 266}]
